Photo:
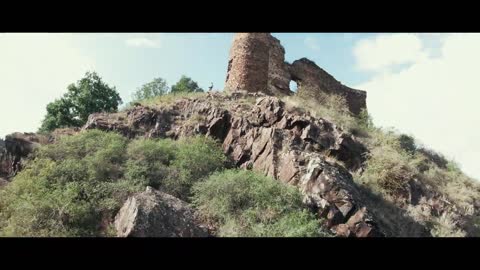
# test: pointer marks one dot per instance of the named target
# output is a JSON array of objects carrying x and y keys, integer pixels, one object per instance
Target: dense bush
[
  {"x": 173, "y": 166},
  {"x": 247, "y": 204},
  {"x": 71, "y": 188},
  {"x": 75, "y": 186},
  {"x": 388, "y": 168},
  {"x": 407, "y": 143},
  {"x": 196, "y": 158},
  {"x": 149, "y": 160}
]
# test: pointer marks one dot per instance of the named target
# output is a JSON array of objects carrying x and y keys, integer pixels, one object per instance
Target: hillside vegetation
[
  {"x": 76, "y": 186},
  {"x": 394, "y": 160}
]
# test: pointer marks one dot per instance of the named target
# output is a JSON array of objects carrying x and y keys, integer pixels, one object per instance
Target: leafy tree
[
  {"x": 157, "y": 87},
  {"x": 59, "y": 114},
  {"x": 186, "y": 84},
  {"x": 89, "y": 95}
]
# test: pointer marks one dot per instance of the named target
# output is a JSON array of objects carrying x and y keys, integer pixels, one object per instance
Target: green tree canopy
[
  {"x": 89, "y": 95},
  {"x": 186, "y": 84},
  {"x": 157, "y": 87}
]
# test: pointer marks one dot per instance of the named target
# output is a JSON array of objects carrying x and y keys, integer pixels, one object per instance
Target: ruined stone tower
[{"x": 257, "y": 64}]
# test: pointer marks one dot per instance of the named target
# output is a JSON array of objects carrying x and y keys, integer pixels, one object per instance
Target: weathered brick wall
[
  {"x": 257, "y": 64},
  {"x": 278, "y": 74},
  {"x": 248, "y": 63},
  {"x": 312, "y": 78}
]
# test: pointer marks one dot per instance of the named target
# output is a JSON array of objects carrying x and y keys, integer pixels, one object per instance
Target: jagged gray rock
[
  {"x": 15, "y": 148},
  {"x": 156, "y": 214},
  {"x": 263, "y": 136}
]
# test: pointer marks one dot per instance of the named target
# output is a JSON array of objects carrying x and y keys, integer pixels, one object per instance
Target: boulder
[
  {"x": 156, "y": 214},
  {"x": 15, "y": 148}
]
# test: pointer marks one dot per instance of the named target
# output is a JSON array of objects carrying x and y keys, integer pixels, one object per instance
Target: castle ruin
[{"x": 257, "y": 64}]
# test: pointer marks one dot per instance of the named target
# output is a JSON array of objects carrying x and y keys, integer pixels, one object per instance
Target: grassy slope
[{"x": 394, "y": 160}]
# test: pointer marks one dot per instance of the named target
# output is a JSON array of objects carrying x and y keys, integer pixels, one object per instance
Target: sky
[{"x": 425, "y": 85}]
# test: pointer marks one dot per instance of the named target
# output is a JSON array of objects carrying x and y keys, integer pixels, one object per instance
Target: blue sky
[
  {"x": 204, "y": 57},
  {"x": 422, "y": 84}
]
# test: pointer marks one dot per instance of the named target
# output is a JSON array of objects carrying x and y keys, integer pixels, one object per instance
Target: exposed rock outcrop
[
  {"x": 257, "y": 64},
  {"x": 156, "y": 214},
  {"x": 15, "y": 149},
  {"x": 266, "y": 137},
  {"x": 331, "y": 189},
  {"x": 258, "y": 132}
]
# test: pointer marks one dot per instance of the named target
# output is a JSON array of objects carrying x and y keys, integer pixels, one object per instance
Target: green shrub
[
  {"x": 247, "y": 204},
  {"x": 389, "y": 167},
  {"x": 173, "y": 166},
  {"x": 196, "y": 158},
  {"x": 69, "y": 189},
  {"x": 148, "y": 161},
  {"x": 407, "y": 143}
]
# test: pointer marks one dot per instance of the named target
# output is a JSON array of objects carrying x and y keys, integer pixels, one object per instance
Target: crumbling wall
[
  {"x": 257, "y": 64},
  {"x": 278, "y": 73},
  {"x": 310, "y": 77}
]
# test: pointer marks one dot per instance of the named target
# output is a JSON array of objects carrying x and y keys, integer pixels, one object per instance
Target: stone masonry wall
[
  {"x": 248, "y": 63},
  {"x": 278, "y": 73},
  {"x": 257, "y": 64},
  {"x": 312, "y": 78}
]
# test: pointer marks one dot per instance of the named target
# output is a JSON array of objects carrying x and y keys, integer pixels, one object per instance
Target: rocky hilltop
[{"x": 262, "y": 131}]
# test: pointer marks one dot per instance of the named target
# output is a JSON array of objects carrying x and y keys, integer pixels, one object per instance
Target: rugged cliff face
[
  {"x": 17, "y": 147},
  {"x": 290, "y": 146},
  {"x": 264, "y": 134},
  {"x": 14, "y": 149}
]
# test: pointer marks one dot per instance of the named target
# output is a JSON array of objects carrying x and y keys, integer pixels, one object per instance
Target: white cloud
[
  {"x": 34, "y": 70},
  {"x": 312, "y": 43},
  {"x": 143, "y": 42},
  {"x": 435, "y": 98},
  {"x": 387, "y": 51}
]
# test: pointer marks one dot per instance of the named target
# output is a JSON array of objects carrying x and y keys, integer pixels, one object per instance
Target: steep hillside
[
  {"x": 253, "y": 160},
  {"x": 373, "y": 183}
]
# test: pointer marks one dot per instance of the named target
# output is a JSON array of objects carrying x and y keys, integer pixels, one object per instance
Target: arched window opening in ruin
[{"x": 293, "y": 86}]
